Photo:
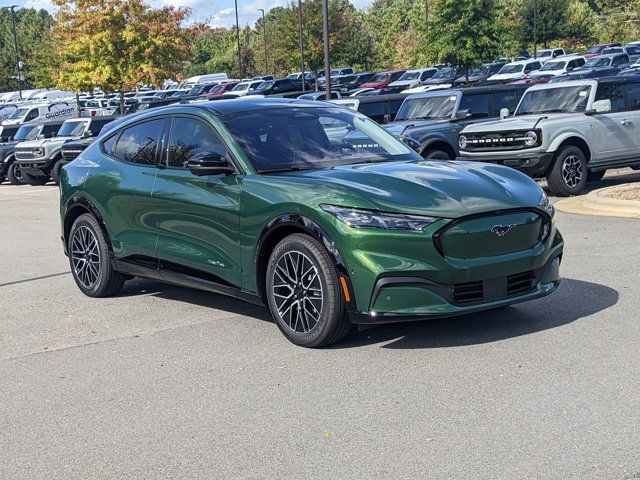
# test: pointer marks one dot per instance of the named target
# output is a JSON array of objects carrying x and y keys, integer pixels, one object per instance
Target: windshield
[
  {"x": 595, "y": 49},
  {"x": 445, "y": 72},
  {"x": 26, "y": 132},
  {"x": 72, "y": 129},
  {"x": 240, "y": 86},
  {"x": 558, "y": 65},
  {"x": 266, "y": 85},
  {"x": 381, "y": 77},
  {"x": 512, "y": 68},
  {"x": 196, "y": 90},
  {"x": 544, "y": 53},
  {"x": 283, "y": 139},
  {"x": 597, "y": 62},
  {"x": 555, "y": 100},
  {"x": 410, "y": 76},
  {"x": 427, "y": 108},
  {"x": 612, "y": 50},
  {"x": 18, "y": 113}
]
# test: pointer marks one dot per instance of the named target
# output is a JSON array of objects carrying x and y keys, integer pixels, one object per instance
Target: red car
[
  {"x": 383, "y": 79},
  {"x": 220, "y": 89}
]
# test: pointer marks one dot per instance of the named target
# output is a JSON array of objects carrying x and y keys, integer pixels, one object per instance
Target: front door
[{"x": 197, "y": 218}]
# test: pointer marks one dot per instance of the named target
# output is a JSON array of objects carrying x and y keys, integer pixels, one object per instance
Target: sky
[{"x": 217, "y": 13}]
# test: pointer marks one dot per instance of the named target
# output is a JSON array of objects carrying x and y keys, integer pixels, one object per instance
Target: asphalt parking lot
[{"x": 165, "y": 382}]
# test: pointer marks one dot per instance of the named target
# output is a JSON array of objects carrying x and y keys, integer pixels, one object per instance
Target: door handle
[{"x": 625, "y": 122}]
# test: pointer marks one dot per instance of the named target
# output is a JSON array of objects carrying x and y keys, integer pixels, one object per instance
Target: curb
[{"x": 597, "y": 203}]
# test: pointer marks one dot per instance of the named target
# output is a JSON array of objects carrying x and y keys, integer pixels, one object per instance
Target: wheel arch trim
[
  {"x": 78, "y": 201},
  {"x": 571, "y": 138}
]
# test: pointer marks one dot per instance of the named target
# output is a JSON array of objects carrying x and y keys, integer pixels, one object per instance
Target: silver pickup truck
[{"x": 568, "y": 133}]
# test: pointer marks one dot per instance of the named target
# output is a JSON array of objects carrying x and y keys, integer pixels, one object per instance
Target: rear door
[
  {"x": 633, "y": 90},
  {"x": 123, "y": 187},
  {"x": 197, "y": 217}
]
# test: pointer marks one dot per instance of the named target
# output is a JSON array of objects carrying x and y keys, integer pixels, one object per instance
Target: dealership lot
[{"x": 162, "y": 381}]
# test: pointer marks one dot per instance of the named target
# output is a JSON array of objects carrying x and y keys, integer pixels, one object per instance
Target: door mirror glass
[
  {"x": 209, "y": 163},
  {"x": 601, "y": 106},
  {"x": 504, "y": 112}
]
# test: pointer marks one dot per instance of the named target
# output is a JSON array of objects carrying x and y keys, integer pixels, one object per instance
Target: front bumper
[
  {"x": 35, "y": 166},
  {"x": 402, "y": 299},
  {"x": 533, "y": 164}
]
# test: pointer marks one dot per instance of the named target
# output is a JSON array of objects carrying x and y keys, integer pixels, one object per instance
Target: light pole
[
  {"x": 238, "y": 37},
  {"x": 535, "y": 28},
  {"x": 301, "y": 43},
  {"x": 264, "y": 34},
  {"x": 327, "y": 63},
  {"x": 15, "y": 44}
]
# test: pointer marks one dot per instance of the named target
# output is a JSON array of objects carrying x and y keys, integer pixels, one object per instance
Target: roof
[
  {"x": 524, "y": 62},
  {"x": 484, "y": 89},
  {"x": 224, "y": 107}
]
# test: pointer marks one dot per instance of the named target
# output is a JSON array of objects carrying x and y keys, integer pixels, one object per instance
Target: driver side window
[
  {"x": 190, "y": 136},
  {"x": 613, "y": 92}
]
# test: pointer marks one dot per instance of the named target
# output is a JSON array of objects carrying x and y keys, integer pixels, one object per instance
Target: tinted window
[
  {"x": 109, "y": 143},
  {"x": 189, "y": 137},
  {"x": 476, "y": 104},
  {"x": 634, "y": 95},
  {"x": 633, "y": 50},
  {"x": 50, "y": 130},
  {"x": 613, "y": 92},
  {"x": 619, "y": 60},
  {"x": 138, "y": 144},
  {"x": 504, "y": 100},
  {"x": 395, "y": 76},
  {"x": 32, "y": 115}
]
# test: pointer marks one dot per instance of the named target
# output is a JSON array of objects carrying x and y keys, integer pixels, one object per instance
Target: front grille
[
  {"x": 519, "y": 283},
  {"x": 25, "y": 153},
  {"x": 468, "y": 292},
  {"x": 493, "y": 289},
  {"x": 514, "y": 140},
  {"x": 71, "y": 153}
]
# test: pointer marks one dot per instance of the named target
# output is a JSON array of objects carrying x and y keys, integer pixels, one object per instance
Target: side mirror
[
  {"x": 504, "y": 112},
  {"x": 386, "y": 118},
  {"x": 87, "y": 134},
  {"x": 463, "y": 114},
  {"x": 209, "y": 163},
  {"x": 601, "y": 106}
]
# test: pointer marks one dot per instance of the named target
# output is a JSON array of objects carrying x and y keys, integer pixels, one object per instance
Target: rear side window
[
  {"x": 189, "y": 137},
  {"x": 634, "y": 95},
  {"x": 139, "y": 143},
  {"x": 502, "y": 100},
  {"x": 32, "y": 115},
  {"x": 476, "y": 104},
  {"x": 613, "y": 92},
  {"x": 619, "y": 60},
  {"x": 109, "y": 143}
]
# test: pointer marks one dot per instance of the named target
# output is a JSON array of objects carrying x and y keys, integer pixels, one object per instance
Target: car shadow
[{"x": 574, "y": 299}]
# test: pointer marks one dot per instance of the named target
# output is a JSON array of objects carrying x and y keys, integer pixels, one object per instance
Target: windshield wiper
[{"x": 292, "y": 168}]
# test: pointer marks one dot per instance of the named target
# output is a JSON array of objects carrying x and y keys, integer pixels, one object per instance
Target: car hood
[
  {"x": 405, "y": 83},
  {"x": 7, "y": 148},
  {"x": 410, "y": 126},
  {"x": 374, "y": 85},
  {"x": 521, "y": 122},
  {"x": 46, "y": 141},
  {"x": 423, "y": 187}
]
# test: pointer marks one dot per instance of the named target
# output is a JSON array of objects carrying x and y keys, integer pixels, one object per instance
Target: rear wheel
[
  {"x": 34, "y": 180},
  {"x": 14, "y": 174},
  {"x": 55, "y": 172},
  {"x": 568, "y": 175},
  {"x": 90, "y": 259},
  {"x": 437, "y": 155},
  {"x": 304, "y": 293}
]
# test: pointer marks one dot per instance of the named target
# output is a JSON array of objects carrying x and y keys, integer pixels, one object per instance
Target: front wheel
[
  {"x": 56, "y": 171},
  {"x": 14, "y": 174},
  {"x": 304, "y": 293},
  {"x": 34, "y": 180},
  {"x": 90, "y": 259},
  {"x": 437, "y": 155},
  {"x": 568, "y": 175}
]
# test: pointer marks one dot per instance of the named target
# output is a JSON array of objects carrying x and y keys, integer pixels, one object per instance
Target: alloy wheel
[
  {"x": 85, "y": 256},
  {"x": 17, "y": 173},
  {"x": 572, "y": 171},
  {"x": 297, "y": 291}
]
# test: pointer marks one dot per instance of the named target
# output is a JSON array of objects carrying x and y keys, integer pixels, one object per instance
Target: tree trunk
[
  {"x": 78, "y": 104},
  {"x": 121, "y": 103}
]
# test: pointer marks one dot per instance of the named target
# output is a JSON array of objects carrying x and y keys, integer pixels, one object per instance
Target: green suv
[{"x": 307, "y": 207}]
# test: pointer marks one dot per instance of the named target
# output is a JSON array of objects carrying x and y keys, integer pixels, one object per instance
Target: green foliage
[
  {"x": 551, "y": 16},
  {"x": 581, "y": 27}
]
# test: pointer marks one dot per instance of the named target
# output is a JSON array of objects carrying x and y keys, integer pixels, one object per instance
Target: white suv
[{"x": 569, "y": 132}]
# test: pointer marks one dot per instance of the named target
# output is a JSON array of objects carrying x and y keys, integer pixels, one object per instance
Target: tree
[
  {"x": 118, "y": 44},
  {"x": 581, "y": 27},
  {"x": 551, "y": 15},
  {"x": 463, "y": 33}
]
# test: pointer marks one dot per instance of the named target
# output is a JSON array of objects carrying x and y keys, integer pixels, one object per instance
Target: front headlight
[
  {"x": 39, "y": 152},
  {"x": 462, "y": 142},
  {"x": 360, "y": 218},
  {"x": 530, "y": 138},
  {"x": 546, "y": 205}
]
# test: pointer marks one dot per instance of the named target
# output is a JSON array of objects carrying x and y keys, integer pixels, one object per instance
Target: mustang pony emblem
[{"x": 501, "y": 230}]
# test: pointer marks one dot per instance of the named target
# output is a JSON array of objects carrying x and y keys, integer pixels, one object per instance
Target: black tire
[
  {"x": 595, "y": 176},
  {"x": 56, "y": 170},
  {"x": 90, "y": 259},
  {"x": 568, "y": 175},
  {"x": 2, "y": 178},
  {"x": 14, "y": 174},
  {"x": 322, "y": 319},
  {"x": 34, "y": 180},
  {"x": 637, "y": 167},
  {"x": 437, "y": 155}
]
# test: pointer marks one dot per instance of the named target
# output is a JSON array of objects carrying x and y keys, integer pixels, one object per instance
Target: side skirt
[{"x": 155, "y": 269}]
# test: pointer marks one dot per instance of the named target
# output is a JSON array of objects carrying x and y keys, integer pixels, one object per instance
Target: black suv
[
  {"x": 281, "y": 85},
  {"x": 431, "y": 122}
]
